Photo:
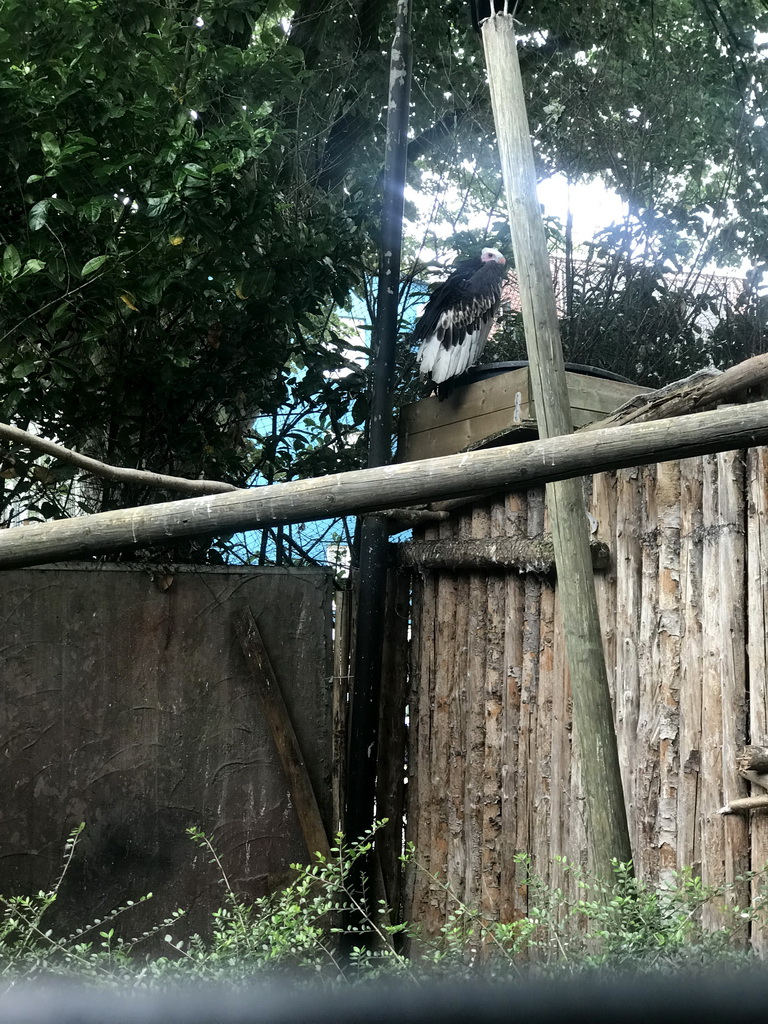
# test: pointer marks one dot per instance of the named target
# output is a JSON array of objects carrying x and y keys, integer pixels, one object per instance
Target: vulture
[{"x": 455, "y": 324}]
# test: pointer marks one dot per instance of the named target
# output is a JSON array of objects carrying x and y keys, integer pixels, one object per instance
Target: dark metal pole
[{"x": 364, "y": 712}]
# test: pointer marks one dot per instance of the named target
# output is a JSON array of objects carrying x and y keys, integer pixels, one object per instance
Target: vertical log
[
  {"x": 733, "y": 634},
  {"x": 723, "y": 845},
  {"x": 445, "y": 844},
  {"x": 757, "y": 654},
  {"x": 592, "y": 707},
  {"x": 629, "y": 596},
  {"x": 390, "y": 787},
  {"x": 342, "y": 655},
  {"x": 476, "y": 711},
  {"x": 669, "y": 632},
  {"x": 494, "y": 724},
  {"x": 689, "y": 802},
  {"x": 514, "y": 584},
  {"x": 374, "y": 537},
  {"x": 646, "y": 765},
  {"x": 421, "y": 703}
]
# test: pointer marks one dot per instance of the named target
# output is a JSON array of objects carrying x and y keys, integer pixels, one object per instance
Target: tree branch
[{"x": 118, "y": 473}]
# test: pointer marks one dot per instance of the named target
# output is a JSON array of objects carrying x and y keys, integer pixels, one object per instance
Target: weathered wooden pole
[
  {"x": 366, "y": 490},
  {"x": 374, "y": 534},
  {"x": 592, "y": 712}
]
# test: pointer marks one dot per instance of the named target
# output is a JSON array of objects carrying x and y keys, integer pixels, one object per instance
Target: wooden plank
[
  {"x": 342, "y": 639},
  {"x": 629, "y": 599},
  {"x": 454, "y": 772},
  {"x": 722, "y": 705},
  {"x": 506, "y": 391},
  {"x": 126, "y": 703},
  {"x": 646, "y": 750},
  {"x": 757, "y": 655},
  {"x": 273, "y": 705},
  {"x": 368, "y": 489},
  {"x": 444, "y": 848},
  {"x": 431, "y": 427}
]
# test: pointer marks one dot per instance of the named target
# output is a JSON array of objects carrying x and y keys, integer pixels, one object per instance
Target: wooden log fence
[{"x": 369, "y": 490}]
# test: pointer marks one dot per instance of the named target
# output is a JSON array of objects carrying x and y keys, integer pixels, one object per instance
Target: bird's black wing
[
  {"x": 446, "y": 295},
  {"x": 458, "y": 318}
]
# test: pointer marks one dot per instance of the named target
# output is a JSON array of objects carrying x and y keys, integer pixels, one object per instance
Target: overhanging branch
[{"x": 118, "y": 473}]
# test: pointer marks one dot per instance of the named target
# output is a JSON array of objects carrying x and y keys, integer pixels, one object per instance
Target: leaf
[
  {"x": 11, "y": 261},
  {"x": 239, "y": 291},
  {"x": 23, "y": 369},
  {"x": 50, "y": 146},
  {"x": 176, "y": 239},
  {"x": 62, "y": 205},
  {"x": 33, "y": 178},
  {"x": 38, "y": 215},
  {"x": 33, "y": 267},
  {"x": 129, "y": 300},
  {"x": 91, "y": 210},
  {"x": 94, "y": 264}
]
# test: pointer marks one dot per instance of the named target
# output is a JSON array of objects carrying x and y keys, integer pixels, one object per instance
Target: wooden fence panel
[
  {"x": 682, "y": 605},
  {"x": 127, "y": 704}
]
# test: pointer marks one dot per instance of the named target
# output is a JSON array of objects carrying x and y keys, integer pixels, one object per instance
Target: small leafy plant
[{"x": 321, "y": 926}]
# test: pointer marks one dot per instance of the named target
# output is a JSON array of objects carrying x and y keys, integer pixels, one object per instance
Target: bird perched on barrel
[{"x": 455, "y": 324}]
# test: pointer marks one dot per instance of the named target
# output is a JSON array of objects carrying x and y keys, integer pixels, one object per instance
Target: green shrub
[{"x": 319, "y": 926}]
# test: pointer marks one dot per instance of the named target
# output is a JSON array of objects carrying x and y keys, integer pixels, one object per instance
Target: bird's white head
[{"x": 488, "y": 255}]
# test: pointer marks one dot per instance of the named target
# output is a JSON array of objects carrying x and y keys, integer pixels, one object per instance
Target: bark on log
[
  {"x": 367, "y": 490},
  {"x": 702, "y": 392},
  {"x": 496, "y": 553},
  {"x": 754, "y": 759}
]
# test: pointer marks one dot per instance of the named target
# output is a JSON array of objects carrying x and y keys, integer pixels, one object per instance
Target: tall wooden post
[
  {"x": 374, "y": 534},
  {"x": 592, "y": 713}
]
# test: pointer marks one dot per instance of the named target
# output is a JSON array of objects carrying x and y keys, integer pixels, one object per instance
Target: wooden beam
[
  {"x": 592, "y": 711},
  {"x": 525, "y": 554},
  {"x": 370, "y": 490},
  {"x": 276, "y": 713}
]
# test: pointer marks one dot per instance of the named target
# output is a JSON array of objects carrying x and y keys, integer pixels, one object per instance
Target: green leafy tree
[{"x": 166, "y": 258}]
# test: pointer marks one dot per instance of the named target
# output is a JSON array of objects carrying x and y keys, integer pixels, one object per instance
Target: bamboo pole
[
  {"x": 368, "y": 490},
  {"x": 592, "y": 712}
]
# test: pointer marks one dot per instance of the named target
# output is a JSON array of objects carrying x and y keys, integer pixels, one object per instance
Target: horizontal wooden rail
[
  {"x": 526, "y": 554},
  {"x": 371, "y": 490}
]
